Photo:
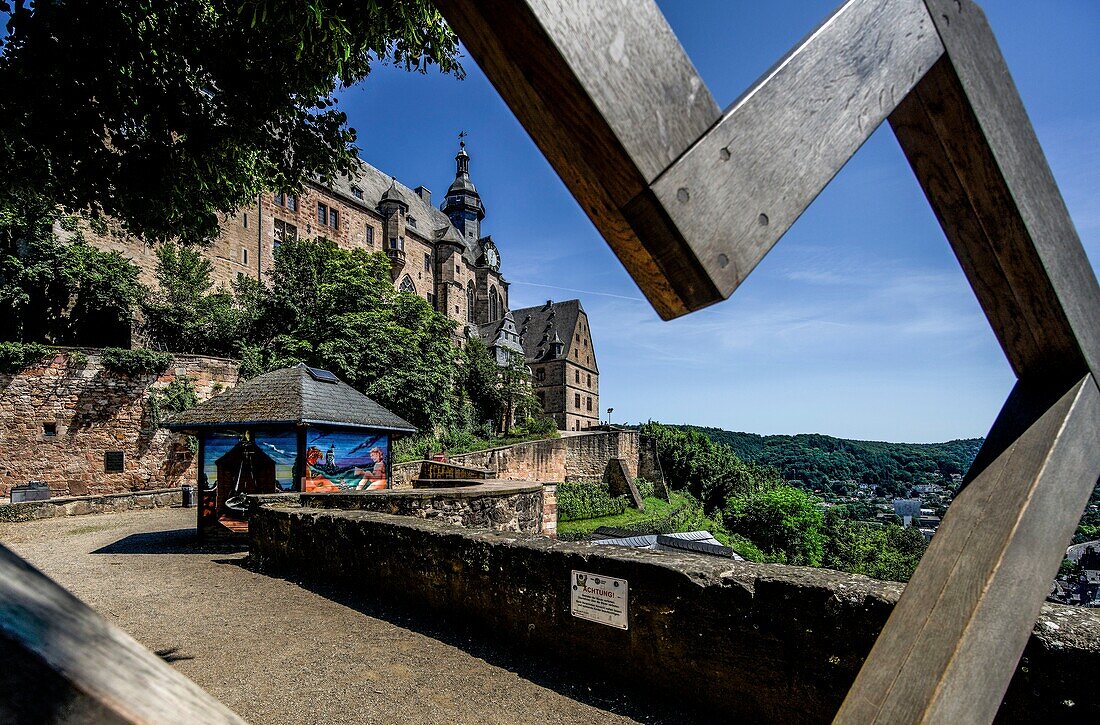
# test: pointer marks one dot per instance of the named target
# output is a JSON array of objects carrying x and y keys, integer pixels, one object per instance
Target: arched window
[
  {"x": 407, "y": 285},
  {"x": 470, "y": 301},
  {"x": 494, "y": 305}
]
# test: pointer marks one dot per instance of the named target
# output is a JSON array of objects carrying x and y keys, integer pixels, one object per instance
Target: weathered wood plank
[
  {"x": 968, "y": 138},
  {"x": 62, "y": 662},
  {"x": 951, "y": 644},
  {"x": 739, "y": 188},
  {"x": 609, "y": 96}
]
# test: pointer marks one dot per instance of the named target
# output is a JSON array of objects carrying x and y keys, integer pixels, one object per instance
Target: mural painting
[
  {"x": 338, "y": 461},
  {"x": 235, "y": 463}
]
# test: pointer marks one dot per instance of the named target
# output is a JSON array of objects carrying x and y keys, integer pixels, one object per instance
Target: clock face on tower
[{"x": 492, "y": 257}]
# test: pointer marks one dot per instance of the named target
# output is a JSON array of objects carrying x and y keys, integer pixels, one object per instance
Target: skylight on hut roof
[{"x": 322, "y": 376}]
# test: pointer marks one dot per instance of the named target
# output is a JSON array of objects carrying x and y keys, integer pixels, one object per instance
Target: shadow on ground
[
  {"x": 177, "y": 541},
  {"x": 575, "y": 683}
]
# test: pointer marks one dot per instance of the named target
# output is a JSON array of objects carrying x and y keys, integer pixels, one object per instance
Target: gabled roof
[
  {"x": 290, "y": 396},
  {"x": 374, "y": 184},
  {"x": 538, "y": 325}
]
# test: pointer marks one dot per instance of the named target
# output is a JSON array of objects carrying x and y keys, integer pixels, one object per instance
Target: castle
[{"x": 439, "y": 254}]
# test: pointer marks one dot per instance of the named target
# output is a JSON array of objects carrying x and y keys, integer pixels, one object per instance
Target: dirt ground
[{"x": 277, "y": 652}]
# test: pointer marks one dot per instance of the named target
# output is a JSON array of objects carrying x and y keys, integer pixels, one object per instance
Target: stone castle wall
[
  {"x": 570, "y": 458},
  {"x": 59, "y": 419},
  {"x": 752, "y": 642}
]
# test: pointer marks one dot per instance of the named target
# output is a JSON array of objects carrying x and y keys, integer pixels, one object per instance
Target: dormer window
[
  {"x": 411, "y": 221},
  {"x": 357, "y": 192}
]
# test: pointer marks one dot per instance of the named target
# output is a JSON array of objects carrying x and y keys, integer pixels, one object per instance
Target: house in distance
[{"x": 294, "y": 429}]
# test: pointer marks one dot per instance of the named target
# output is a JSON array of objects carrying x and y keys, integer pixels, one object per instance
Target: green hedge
[
  {"x": 578, "y": 501},
  {"x": 139, "y": 361},
  {"x": 17, "y": 356}
]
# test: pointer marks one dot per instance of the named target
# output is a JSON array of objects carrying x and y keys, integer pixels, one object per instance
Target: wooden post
[
  {"x": 691, "y": 205},
  {"x": 62, "y": 662}
]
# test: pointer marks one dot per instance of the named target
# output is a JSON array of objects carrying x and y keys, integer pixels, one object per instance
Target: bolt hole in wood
[
  {"x": 762, "y": 220},
  {"x": 723, "y": 261},
  {"x": 682, "y": 195}
]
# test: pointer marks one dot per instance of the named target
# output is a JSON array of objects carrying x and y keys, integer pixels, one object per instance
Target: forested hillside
[{"x": 821, "y": 461}]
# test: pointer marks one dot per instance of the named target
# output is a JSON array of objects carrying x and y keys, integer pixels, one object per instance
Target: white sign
[{"x": 598, "y": 598}]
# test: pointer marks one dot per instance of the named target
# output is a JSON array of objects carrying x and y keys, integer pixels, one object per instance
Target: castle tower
[{"x": 463, "y": 203}]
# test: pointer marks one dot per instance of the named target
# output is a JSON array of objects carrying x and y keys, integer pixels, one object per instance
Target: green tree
[
  {"x": 783, "y": 521},
  {"x": 337, "y": 309},
  {"x": 60, "y": 292},
  {"x": 185, "y": 313},
  {"x": 167, "y": 113}
]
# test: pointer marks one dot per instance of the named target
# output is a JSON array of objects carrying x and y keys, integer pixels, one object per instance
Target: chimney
[{"x": 424, "y": 193}]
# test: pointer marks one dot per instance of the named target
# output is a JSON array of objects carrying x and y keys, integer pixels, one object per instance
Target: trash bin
[{"x": 188, "y": 496}]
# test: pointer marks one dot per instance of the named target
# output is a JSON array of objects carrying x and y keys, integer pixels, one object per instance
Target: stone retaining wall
[
  {"x": 570, "y": 458},
  {"x": 512, "y": 506},
  {"x": 80, "y": 505},
  {"x": 90, "y": 410},
  {"x": 744, "y": 642}
]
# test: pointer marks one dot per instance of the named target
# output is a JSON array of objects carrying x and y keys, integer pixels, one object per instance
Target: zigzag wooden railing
[{"x": 691, "y": 198}]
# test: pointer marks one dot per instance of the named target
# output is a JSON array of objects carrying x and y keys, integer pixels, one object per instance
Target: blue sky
[{"x": 858, "y": 324}]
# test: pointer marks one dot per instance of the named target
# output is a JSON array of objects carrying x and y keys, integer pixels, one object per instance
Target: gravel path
[{"x": 277, "y": 652}]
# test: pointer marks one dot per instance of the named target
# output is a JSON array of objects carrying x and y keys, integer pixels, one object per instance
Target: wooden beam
[
  {"x": 951, "y": 645},
  {"x": 743, "y": 185},
  {"x": 608, "y": 95},
  {"x": 968, "y": 138},
  {"x": 62, "y": 662}
]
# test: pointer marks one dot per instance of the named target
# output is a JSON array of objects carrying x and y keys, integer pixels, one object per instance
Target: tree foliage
[
  {"x": 883, "y": 552},
  {"x": 709, "y": 471},
  {"x": 167, "y": 113},
  {"x": 337, "y": 309},
  {"x": 783, "y": 521},
  {"x": 63, "y": 292},
  {"x": 822, "y": 461}
]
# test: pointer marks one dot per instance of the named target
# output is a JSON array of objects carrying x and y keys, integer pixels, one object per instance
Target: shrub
[
  {"x": 77, "y": 358},
  {"x": 578, "y": 501},
  {"x": 17, "y": 356},
  {"x": 135, "y": 362},
  {"x": 645, "y": 488},
  {"x": 175, "y": 397}
]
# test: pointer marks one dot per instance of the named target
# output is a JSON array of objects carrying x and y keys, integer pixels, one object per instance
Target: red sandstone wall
[
  {"x": 571, "y": 458},
  {"x": 96, "y": 411}
]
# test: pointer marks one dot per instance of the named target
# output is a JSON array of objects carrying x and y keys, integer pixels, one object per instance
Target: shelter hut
[{"x": 295, "y": 429}]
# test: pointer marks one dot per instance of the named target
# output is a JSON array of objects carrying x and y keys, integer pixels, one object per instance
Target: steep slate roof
[
  {"x": 547, "y": 319},
  {"x": 290, "y": 396},
  {"x": 431, "y": 223}
]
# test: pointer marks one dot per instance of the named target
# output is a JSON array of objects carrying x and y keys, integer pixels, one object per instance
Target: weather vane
[{"x": 462, "y": 135}]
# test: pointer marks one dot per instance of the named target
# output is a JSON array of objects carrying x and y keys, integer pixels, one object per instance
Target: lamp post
[{"x": 609, "y": 412}]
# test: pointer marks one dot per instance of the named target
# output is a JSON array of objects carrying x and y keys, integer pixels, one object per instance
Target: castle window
[
  {"x": 427, "y": 263},
  {"x": 246, "y": 221},
  {"x": 114, "y": 462},
  {"x": 589, "y": 405},
  {"x": 49, "y": 429},
  {"x": 280, "y": 199},
  {"x": 407, "y": 285},
  {"x": 322, "y": 214},
  {"x": 577, "y": 376},
  {"x": 357, "y": 192},
  {"x": 292, "y": 202},
  {"x": 494, "y": 305},
  {"x": 411, "y": 221},
  {"x": 244, "y": 256},
  {"x": 369, "y": 235},
  {"x": 577, "y": 401},
  {"x": 470, "y": 301},
  {"x": 540, "y": 375},
  {"x": 284, "y": 232},
  {"x": 590, "y": 381},
  {"x": 334, "y": 219}
]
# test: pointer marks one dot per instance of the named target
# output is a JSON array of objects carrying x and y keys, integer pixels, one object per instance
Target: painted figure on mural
[{"x": 344, "y": 461}]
